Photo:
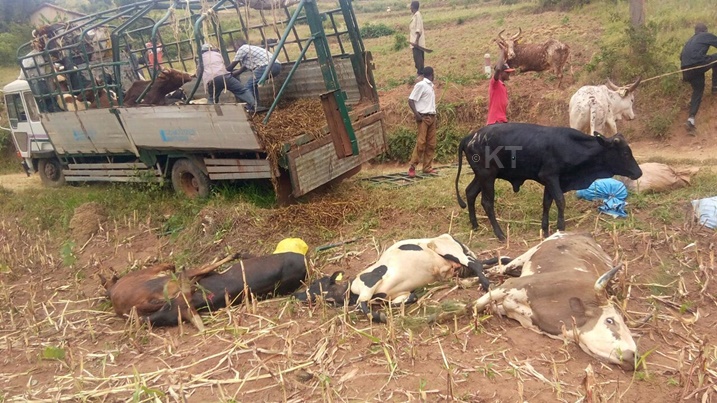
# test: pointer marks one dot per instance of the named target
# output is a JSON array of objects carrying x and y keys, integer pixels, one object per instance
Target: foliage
[
  {"x": 14, "y": 36},
  {"x": 399, "y": 42},
  {"x": 376, "y": 30},
  {"x": 563, "y": 5}
]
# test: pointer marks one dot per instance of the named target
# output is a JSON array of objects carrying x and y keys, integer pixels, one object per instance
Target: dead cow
[
  {"x": 597, "y": 108},
  {"x": 561, "y": 293},
  {"x": 167, "y": 81},
  {"x": 552, "y": 54},
  {"x": 163, "y": 298},
  {"x": 404, "y": 267}
]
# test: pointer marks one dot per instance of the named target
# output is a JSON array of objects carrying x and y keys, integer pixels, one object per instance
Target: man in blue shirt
[
  {"x": 694, "y": 56},
  {"x": 255, "y": 59}
]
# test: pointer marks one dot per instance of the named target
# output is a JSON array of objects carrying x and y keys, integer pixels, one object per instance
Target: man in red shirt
[{"x": 498, "y": 94}]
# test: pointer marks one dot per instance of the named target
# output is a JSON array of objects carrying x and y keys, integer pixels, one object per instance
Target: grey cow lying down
[
  {"x": 404, "y": 267},
  {"x": 561, "y": 293}
]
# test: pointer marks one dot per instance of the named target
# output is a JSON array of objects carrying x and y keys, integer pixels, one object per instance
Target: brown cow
[
  {"x": 552, "y": 54},
  {"x": 168, "y": 80}
]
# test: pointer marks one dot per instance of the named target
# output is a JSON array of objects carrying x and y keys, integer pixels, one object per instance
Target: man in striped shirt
[{"x": 255, "y": 59}]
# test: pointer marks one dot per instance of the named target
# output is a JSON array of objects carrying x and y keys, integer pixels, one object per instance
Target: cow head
[
  {"x": 329, "y": 287},
  {"x": 603, "y": 333},
  {"x": 619, "y": 156},
  {"x": 622, "y": 98},
  {"x": 507, "y": 45},
  {"x": 176, "y": 78}
]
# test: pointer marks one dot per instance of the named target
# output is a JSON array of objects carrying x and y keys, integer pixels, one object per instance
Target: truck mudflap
[{"x": 316, "y": 163}]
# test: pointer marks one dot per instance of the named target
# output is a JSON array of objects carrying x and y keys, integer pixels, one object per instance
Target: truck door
[{"x": 19, "y": 123}]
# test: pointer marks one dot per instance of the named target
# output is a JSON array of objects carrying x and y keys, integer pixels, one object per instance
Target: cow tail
[{"x": 461, "y": 148}]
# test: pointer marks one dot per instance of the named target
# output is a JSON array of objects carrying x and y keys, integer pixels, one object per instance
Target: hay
[{"x": 87, "y": 221}]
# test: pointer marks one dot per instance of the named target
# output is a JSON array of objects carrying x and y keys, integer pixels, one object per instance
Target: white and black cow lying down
[
  {"x": 560, "y": 158},
  {"x": 561, "y": 293},
  {"x": 162, "y": 297},
  {"x": 404, "y": 267}
]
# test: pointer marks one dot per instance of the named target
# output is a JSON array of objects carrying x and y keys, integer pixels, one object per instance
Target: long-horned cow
[
  {"x": 551, "y": 54},
  {"x": 561, "y": 293},
  {"x": 597, "y": 108}
]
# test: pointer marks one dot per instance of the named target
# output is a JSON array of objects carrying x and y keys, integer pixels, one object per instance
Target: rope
[{"x": 678, "y": 71}]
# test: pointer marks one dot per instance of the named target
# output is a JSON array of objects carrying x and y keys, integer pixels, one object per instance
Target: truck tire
[
  {"x": 188, "y": 179},
  {"x": 50, "y": 170}
]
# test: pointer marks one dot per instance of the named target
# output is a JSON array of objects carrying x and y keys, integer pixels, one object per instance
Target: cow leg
[
  {"x": 485, "y": 299},
  {"x": 487, "y": 201},
  {"x": 378, "y": 317},
  {"x": 553, "y": 186},
  {"x": 547, "y": 202},
  {"x": 472, "y": 192},
  {"x": 404, "y": 298}
]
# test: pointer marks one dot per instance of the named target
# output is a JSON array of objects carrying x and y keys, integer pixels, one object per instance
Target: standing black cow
[{"x": 559, "y": 158}]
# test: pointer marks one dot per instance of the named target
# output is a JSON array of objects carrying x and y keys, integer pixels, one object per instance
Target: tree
[{"x": 637, "y": 13}]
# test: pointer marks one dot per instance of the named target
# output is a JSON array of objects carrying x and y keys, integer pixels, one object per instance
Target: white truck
[{"x": 322, "y": 58}]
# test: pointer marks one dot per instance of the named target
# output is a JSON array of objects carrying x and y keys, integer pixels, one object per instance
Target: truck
[{"x": 62, "y": 131}]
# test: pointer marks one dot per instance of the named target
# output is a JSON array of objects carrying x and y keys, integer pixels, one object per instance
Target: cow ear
[
  {"x": 577, "y": 306},
  {"x": 337, "y": 276}
]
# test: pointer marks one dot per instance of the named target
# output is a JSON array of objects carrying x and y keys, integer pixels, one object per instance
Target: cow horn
[
  {"x": 500, "y": 35},
  {"x": 516, "y": 36},
  {"x": 601, "y": 282},
  {"x": 633, "y": 87},
  {"x": 611, "y": 85}
]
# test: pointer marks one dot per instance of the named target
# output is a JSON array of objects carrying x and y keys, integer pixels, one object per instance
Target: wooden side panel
[
  {"x": 337, "y": 129},
  {"x": 316, "y": 163},
  {"x": 91, "y": 131},
  {"x": 187, "y": 127}
]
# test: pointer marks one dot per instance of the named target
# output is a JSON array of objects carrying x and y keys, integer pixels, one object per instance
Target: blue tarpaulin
[
  {"x": 706, "y": 211},
  {"x": 611, "y": 191}
]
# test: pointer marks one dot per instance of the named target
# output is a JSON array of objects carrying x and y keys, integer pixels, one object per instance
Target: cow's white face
[
  {"x": 607, "y": 337},
  {"x": 621, "y": 103}
]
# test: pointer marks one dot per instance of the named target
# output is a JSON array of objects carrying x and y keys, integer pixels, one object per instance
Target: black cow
[{"x": 559, "y": 158}]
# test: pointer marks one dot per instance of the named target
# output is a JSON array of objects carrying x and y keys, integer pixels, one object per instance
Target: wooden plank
[
  {"x": 339, "y": 134},
  {"x": 368, "y": 120},
  {"x": 119, "y": 165},
  {"x": 245, "y": 175},
  {"x": 111, "y": 172}
]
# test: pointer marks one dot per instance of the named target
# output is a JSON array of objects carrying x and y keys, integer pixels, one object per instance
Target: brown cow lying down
[
  {"x": 168, "y": 80},
  {"x": 161, "y": 297}
]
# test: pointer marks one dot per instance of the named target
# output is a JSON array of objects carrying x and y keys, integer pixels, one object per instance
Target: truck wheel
[
  {"x": 50, "y": 171},
  {"x": 189, "y": 179}
]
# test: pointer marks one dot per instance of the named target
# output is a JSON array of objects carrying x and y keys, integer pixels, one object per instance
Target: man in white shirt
[
  {"x": 255, "y": 59},
  {"x": 216, "y": 77},
  {"x": 422, "y": 102},
  {"x": 416, "y": 37}
]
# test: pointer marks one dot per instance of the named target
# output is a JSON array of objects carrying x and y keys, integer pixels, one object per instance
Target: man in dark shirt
[{"x": 694, "y": 54}]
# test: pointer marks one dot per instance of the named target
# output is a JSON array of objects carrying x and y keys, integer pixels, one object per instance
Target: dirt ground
[{"x": 60, "y": 340}]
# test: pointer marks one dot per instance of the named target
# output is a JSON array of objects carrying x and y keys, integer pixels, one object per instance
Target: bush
[
  {"x": 376, "y": 30},
  {"x": 15, "y": 36},
  {"x": 563, "y": 5},
  {"x": 399, "y": 42},
  {"x": 402, "y": 141}
]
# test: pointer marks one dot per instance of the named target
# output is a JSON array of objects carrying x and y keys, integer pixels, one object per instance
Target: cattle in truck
[
  {"x": 167, "y": 81},
  {"x": 559, "y": 158},
  {"x": 561, "y": 292}
]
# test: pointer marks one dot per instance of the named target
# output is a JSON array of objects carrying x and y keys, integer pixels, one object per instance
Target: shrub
[
  {"x": 376, "y": 30},
  {"x": 400, "y": 42},
  {"x": 15, "y": 36},
  {"x": 402, "y": 140},
  {"x": 563, "y": 5}
]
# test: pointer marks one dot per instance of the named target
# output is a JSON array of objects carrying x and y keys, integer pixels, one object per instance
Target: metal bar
[
  {"x": 280, "y": 45},
  {"x": 153, "y": 38},
  {"x": 288, "y": 79}
]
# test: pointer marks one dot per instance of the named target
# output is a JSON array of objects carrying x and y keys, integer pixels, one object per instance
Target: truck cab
[{"x": 28, "y": 134}]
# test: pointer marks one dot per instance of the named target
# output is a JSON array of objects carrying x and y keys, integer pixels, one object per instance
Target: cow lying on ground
[
  {"x": 163, "y": 298},
  {"x": 561, "y": 293},
  {"x": 598, "y": 107},
  {"x": 404, "y": 267},
  {"x": 167, "y": 81},
  {"x": 552, "y": 54},
  {"x": 559, "y": 158}
]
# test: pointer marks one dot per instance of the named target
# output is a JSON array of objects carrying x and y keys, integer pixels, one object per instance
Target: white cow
[{"x": 598, "y": 107}]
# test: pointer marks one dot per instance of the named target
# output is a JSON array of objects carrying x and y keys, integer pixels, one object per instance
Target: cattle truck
[{"x": 70, "y": 124}]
